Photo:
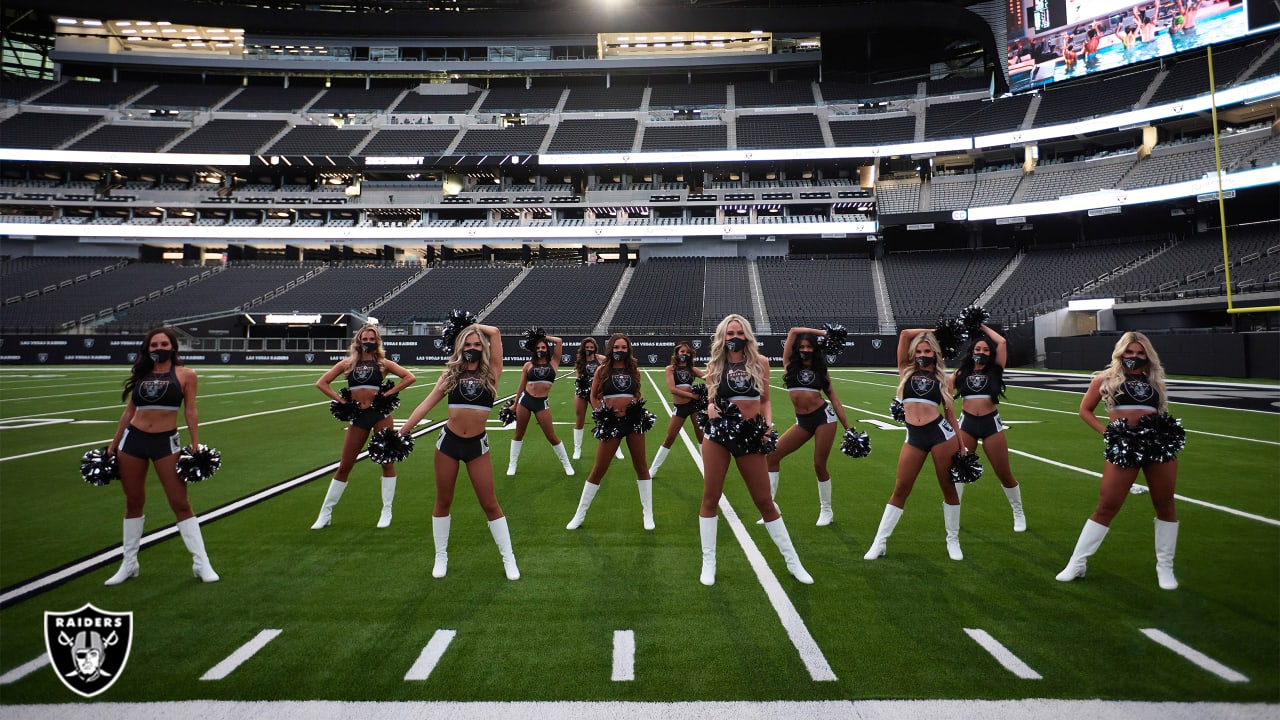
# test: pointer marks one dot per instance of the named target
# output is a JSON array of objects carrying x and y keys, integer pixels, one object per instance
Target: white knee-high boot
[
  {"x": 1166, "y": 544},
  {"x": 331, "y": 498},
  {"x": 589, "y": 491},
  {"x": 1015, "y": 502},
  {"x": 502, "y": 538},
  {"x": 200, "y": 566},
  {"x": 577, "y": 443},
  {"x": 825, "y": 516},
  {"x": 658, "y": 459},
  {"x": 951, "y": 519},
  {"x": 388, "y": 497},
  {"x": 646, "y": 501},
  {"x": 564, "y": 458},
  {"x": 129, "y": 563},
  {"x": 440, "y": 532},
  {"x": 1090, "y": 538},
  {"x": 774, "y": 477},
  {"x": 778, "y": 531},
  {"x": 888, "y": 521},
  {"x": 707, "y": 529},
  {"x": 515, "y": 456}
]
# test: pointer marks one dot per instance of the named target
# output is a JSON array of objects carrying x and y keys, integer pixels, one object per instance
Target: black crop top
[
  {"x": 805, "y": 379},
  {"x": 618, "y": 383},
  {"x": 922, "y": 388},
  {"x": 470, "y": 392},
  {"x": 365, "y": 375},
  {"x": 682, "y": 376},
  {"x": 589, "y": 368},
  {"x": 158, "y": 391},
  {"x": 978, "y": 385},
  {"x": 736, "y": 383},
  {"x": 540, "y": 373},
  {"x": 1136, "y": 393}
]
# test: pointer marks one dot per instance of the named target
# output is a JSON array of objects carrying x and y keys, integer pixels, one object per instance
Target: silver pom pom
[
  {"x": 856, "y": 444},
  {"x": 388, "y": 446},
  {"x": 98, "y": 468},
  {"x": 198, "y": 466}
]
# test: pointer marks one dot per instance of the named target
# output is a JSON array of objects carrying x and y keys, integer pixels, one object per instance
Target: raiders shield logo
[
  {"x": 876, "y": 343},
  {"x": 226, "y": 357},
  {"x": 88, "y": 648},
  {"x": 152, "y": 390},
  {"x": 1138, "y": 390},
  {"x": 395, "y": 357},
  {"x": 309, "y": 357},
  {"x": 88, "y": 342},
  {"x": 922, "y": 385},
  {"x": 739, "y": 379},
  {"x": 807, "y": 377},
  {"x": 566, "y": 358},
  {"x": 132, "y": 357},
  {"x": 470, "y": 388},
  {"x": 976, "y": 383},
  {"x": 831, "y": 359},
  {"x": 622, "y": 381},
  {"x": 362, "y": 373},
  {"x": 697, "y": 344},
  {"x": 653, "y": 359},
  {"x": 439, "y": 343}
]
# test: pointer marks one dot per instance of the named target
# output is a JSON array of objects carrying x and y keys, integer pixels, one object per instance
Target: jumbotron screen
[{"x": 1054, "y": 40}]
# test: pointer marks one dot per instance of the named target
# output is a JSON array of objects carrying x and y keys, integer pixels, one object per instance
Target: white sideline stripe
[
  {"x": 810, "y": 654},
  {"x": 624, "y": 656},
  {"x": 1031, "y": 709},
  {"x": 242, "y": 654},
  {"x": 204, "y": 423},
  {"x": 1201, "y": 660},
  {"x": 24, "y": 669},
  {"x": 1011, "y": 662},
  {"x": 431, "y": 654}
]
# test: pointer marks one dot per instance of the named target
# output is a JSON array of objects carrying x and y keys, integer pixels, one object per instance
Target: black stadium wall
[{"x": 1234, "y": 355}]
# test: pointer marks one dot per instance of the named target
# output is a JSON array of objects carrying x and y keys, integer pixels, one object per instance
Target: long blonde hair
[
  {"x": 755, "y": 362},
  {"x": 455, "y": 365},
  {"x": 1114, "y": 374},
  {"x": 353, "y": 356},
  {"x": 939, "y": 367}
]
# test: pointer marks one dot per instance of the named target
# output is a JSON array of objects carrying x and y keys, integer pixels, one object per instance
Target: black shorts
[
  {"x": 367, "y": 418},
  {"x": 150, "y": 446},
  {"x": 810, "y": 422},
  {"x": 534, "y": 404},
  {"x": 734, "y": 448},
  {"x": 684, "y": 410},
  {"x": 981, "y": 426},
  {"x": 924, "y": 437},
  {"x": 462, "y": 449}
]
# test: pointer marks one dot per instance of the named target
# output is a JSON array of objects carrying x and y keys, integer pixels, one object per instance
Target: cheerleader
[
  {"x": 807, "y": 380},
  {"x": 536, "y": 378},
  {"x": 1133, "y": 389},
  {"x": 680, "y": 376},
  {"x": 979, "y": 382},
  {"x": 365, "y": 369},
  {"x": 740, "y": 419},
  {"x": 930, "y": 433},
  {"x": 584, "y": 372},
  {"x": 147, "y": 434},
  {"x": 469, "y": 383},
  {"x": 615, "y": 392}
]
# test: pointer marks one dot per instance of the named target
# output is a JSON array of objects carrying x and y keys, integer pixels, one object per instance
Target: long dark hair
[
  {"x": 795, "y": 364},
  {"x": 994, "y": 371},
  {"x": 580, "y": 365},
  {"x": 144, "y": 364}
]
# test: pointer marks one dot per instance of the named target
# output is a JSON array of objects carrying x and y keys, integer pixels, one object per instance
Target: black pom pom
[
  {"x": 972, "y": 318},
  {"x": 1126, "y": 446},
  {"x": 756, "y": 436},
  {"x": 965, "y": 468},
  {"x": 951, "y": 335},
  {"x": 507, "y": 415},
  {"x": 198, "y": 466},
  {"x": 98, "y": 468},
  {"x": 457, "y": 321},
  {"x": 856, "y": 444},
  {"x": 897, "y": 410},
  {"x": 701, "y": 402},
  {"x": 1165, "y": 437},
  {"x": 346, "y": 410},
  {"x": 608, "y": 425},
  {"x": 637, "y": 418},
  {"x": 383, "y": 403},
  {"x": 833, "y": 342},
  {"x": 388, "y": 446},
  {"x": 531, "y": 337},
  {"x": 582, "y": 386},
  {"x": 702, "y": 420}
]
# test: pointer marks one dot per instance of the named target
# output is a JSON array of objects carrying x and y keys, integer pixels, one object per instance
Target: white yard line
[
  {"x": 624, "y": 656},
  {"x": 1197, "y": 658},
  {"x": 241, "y": 655},
  {"x": 24, "y": 669},
  {"x": 431, "y": 654},
  {"x": 1002, "y": 654},
  {"x": 810, "y": 654}
]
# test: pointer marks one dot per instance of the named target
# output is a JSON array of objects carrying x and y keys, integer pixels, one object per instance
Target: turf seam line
[
  {"x": 431, "y": 654},
  {"x": 241, "y": 655},
  {"x": 1197, "y": 658},
  {"x": 1002, "y": 654}
]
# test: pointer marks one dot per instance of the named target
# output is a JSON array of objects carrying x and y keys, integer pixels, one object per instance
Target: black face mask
[
  {"x": 806, "y": 355},
  {"x": 161, "y": 356},
  {"x": 620, "y": 355},
  {"x": 925, "y": 361},
  {"x": 980, "y": 359},
  {"x": 541, "y": 354},
  {"x": 471, "y": 355},
  {"x": 735, "y": 344},
  {"x": 369, "y": 347},
  {"x": 1133, "y": 363},
  {"x": 683, "y": 358}
]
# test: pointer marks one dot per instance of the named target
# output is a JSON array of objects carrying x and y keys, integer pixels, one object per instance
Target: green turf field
[{"x": 356, "y": 606}]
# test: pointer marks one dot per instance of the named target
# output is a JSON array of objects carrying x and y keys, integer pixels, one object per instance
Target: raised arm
[
  {"x": 556, "y": 348},
  {"x": 793, "y": 336},
  {"x": 904, "y": 344},
  {"x": 1001, "y": 354}
]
